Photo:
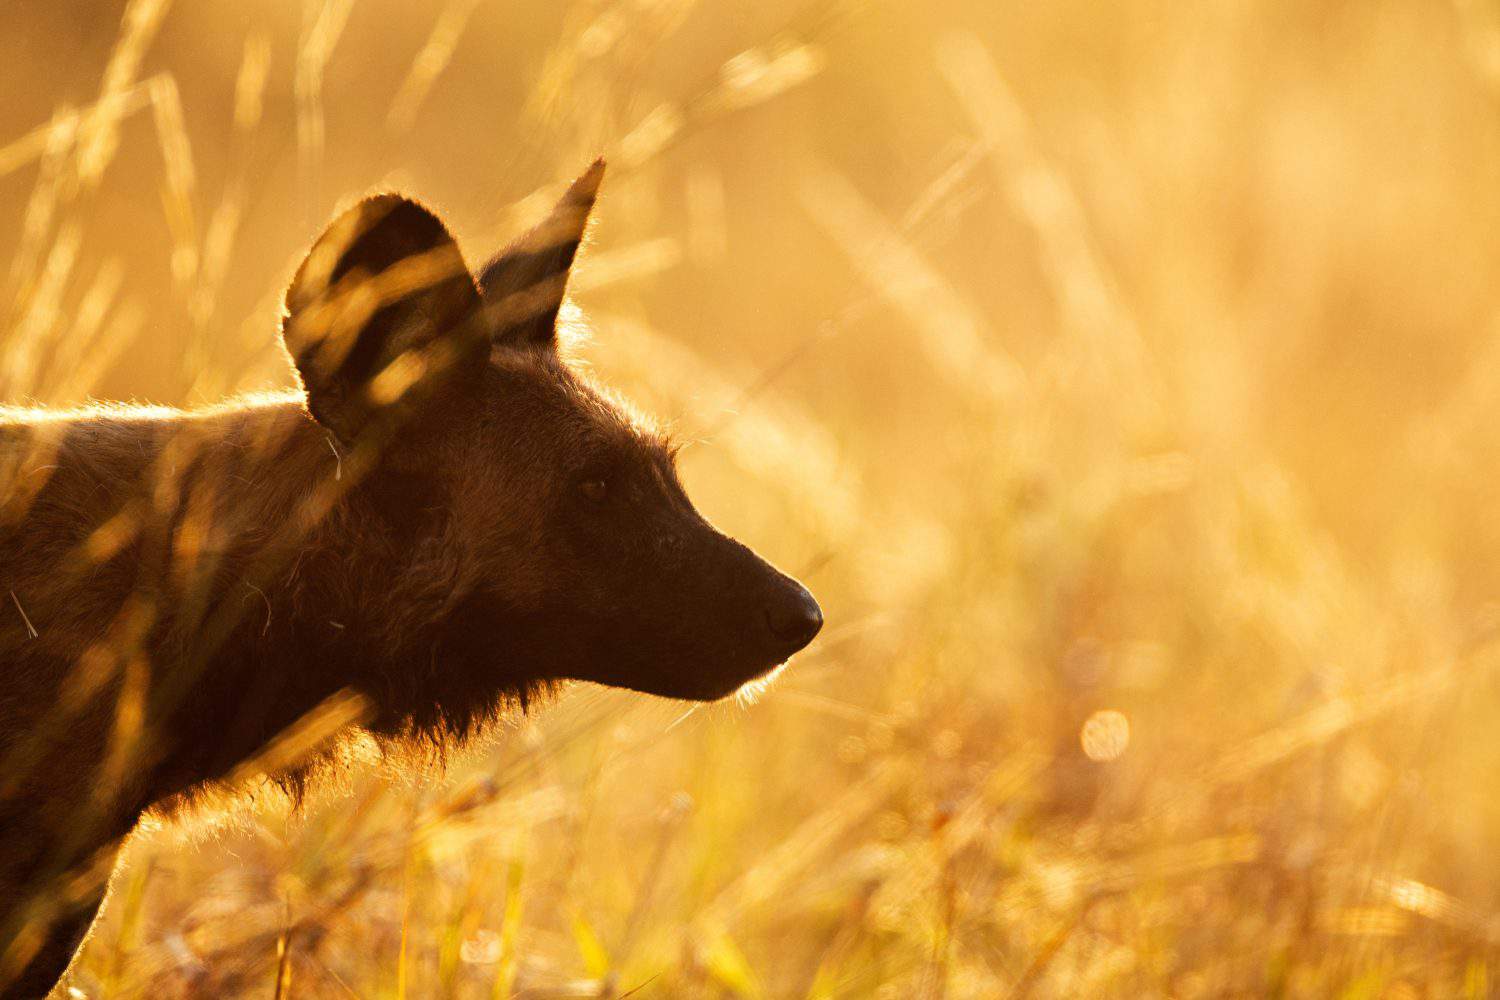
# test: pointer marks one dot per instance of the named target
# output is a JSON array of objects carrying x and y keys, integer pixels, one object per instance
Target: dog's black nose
[{"x": 795, "y": 618}]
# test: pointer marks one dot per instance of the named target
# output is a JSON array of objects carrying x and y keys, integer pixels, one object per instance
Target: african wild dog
[{"x": 446, "y": 521}]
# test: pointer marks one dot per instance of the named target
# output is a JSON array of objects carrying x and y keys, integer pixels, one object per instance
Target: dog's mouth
[
  {"x": 744, "y": 688},
  {"x": 750, "y": 691}
]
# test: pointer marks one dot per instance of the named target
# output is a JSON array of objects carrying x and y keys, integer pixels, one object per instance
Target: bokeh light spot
[{"x": 1105, "y": 735}]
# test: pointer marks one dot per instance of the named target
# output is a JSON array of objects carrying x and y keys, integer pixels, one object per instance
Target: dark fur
[{"x": 446, "y": 523}]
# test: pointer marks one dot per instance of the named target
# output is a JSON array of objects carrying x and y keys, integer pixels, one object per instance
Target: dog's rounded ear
[
  {"x": 382, "y": 315},
  {"x": 523, "y": 286}
]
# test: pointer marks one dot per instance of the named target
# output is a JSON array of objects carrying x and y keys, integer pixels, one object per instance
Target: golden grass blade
[
  {"x": 759, "y": 74},
  {"x": 626, "y": 264},
  {"x": 99, "y": 130},
  {"x": 951, "y": 332},
  {"x": 429, "y": 64},
  {"x": 180, "y": 187},
  {"x": 42, "y": 316},
  {"x": 250, "y": 83},
  {"x": 324, "y": 24},
  {"x": 309, "y": 735},
  {"x": 39, "y": 223},
  {"x": 1043, "y": 197}
]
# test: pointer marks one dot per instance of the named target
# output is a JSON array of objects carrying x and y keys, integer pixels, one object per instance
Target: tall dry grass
[{"x": 1124, "y": 381}]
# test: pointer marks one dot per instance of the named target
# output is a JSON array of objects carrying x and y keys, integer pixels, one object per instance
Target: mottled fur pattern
[{"x": 444, "y": 523}]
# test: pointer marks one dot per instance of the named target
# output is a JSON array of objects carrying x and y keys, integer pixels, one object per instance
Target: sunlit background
[{"x": 1124, "y": 379}]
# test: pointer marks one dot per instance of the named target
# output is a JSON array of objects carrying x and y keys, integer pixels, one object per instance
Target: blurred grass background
[{"x": 1124, "y": 380}]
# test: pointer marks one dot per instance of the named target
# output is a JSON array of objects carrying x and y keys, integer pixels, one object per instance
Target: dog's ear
[
  {"x": 382, "y": 314},
  {"x": 523, "y": 286}
]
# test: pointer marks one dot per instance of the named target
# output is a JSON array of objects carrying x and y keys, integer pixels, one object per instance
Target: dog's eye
[{"x": 595, "y": 490}]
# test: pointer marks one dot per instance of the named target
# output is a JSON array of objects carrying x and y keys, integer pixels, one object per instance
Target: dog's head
[{"x": 572, "y": 545}]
